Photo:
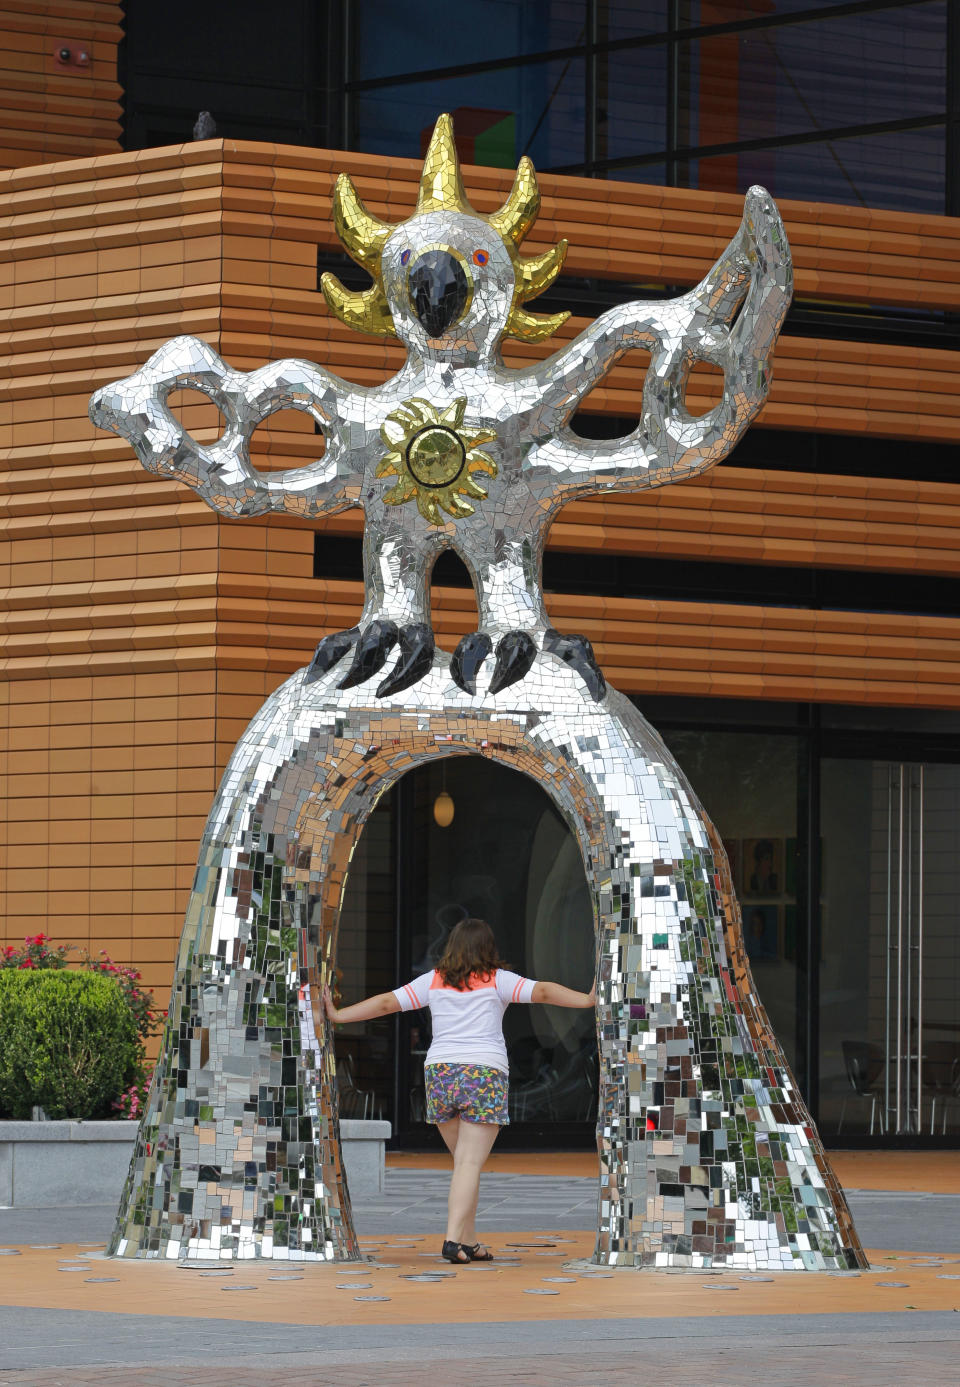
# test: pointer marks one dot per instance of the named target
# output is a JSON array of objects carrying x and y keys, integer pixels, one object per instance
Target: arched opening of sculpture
[{"x": 507, "y": 856}]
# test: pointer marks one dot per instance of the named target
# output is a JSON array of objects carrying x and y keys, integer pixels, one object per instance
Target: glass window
[
  {"x": 390, "y": 39},
  {"x": 903, "y": 170},
  {"x": 748, "y": 785},
  {"x": 632, "y": 103},
  {"x": 365, "y": 965},
  {"x": 508, "y": 857},
  {"x": 693, "y": 13},
  {"x": 628, "y": 19},
  {"x": 655, "y": 174},
  {"x": 625, "y": 19},
  {"x": 890, "y": 956},
  {"x": 537, "y": 110},
  {"x": 848, "y": 71}
]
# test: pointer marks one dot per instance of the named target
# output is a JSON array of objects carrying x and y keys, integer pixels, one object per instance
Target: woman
[{"x": 465, "y": 1071}]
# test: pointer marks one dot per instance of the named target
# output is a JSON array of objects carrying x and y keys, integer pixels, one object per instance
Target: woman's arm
[
  {"x": 381, "y": 1005},
  {"x": 555, "y": 995}
]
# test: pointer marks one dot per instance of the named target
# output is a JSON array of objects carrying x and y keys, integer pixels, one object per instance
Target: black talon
[
  {"x": 416, "y": 659},
  {"x": 516, "y": 652},
  {"x": 371, "y": 653},
  {"x": 467, "y": 660},
  {"x": 329, "y": 651},
  {"x": 578, "y": 652}
]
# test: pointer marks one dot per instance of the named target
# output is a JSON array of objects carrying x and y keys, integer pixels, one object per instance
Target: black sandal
[
  {"x": 451, "y": 1252},
  {"x": 475, "y": 1254}
]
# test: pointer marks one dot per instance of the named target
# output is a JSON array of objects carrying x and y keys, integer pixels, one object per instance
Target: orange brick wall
[
  {"x": 50, "y": 110},
  {"x": 141, "y": 633},
  {"x": 110, "y": 579}
]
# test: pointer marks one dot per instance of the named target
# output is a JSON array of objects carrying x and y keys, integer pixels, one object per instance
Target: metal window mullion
[
  {"x": 899, "y": 1066},
  {"x": 889, "y": 950},
  {"x": 673, "y": 94},
  {"x": 952, "y": 162},
  {"x": 908, "y": 952},
  {"x": 590, "y": 87},
  {"x": 920, "y": 950}
]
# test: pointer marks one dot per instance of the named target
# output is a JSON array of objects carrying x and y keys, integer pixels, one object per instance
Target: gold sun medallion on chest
[{"x": 433, "y": 456}]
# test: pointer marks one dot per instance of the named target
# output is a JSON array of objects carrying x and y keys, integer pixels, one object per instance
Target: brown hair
[{"x": 471, "y": 948}]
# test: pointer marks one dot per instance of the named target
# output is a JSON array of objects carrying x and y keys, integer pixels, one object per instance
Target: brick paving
[
  {"x": 791, "y": 1344},
  {"x": 819, "y": 1365}
]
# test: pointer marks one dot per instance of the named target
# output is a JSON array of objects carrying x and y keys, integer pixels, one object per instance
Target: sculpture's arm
[
  {"x": 753, "y": 276},
  {"x": 221, "y": 473}
]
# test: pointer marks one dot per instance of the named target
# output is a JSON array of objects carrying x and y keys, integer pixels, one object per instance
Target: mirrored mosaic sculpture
[{"x": 708, "y": 1156}]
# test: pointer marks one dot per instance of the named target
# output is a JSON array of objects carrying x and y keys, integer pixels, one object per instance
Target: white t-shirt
[{"x": 467, "y": 1025}]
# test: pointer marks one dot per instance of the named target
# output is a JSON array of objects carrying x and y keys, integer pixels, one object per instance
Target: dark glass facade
[
  {"x": 842, "y": 826},
  {"x": 507, "y": 857},
  {"x": 842, "y": 102},
  {"x": 845, "y": 102}
]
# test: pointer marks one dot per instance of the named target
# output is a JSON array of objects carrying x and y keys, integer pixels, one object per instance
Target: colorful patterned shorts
[{"x": 473, "y": 1092}]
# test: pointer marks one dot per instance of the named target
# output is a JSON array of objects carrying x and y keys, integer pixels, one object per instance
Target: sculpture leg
[
  {"x": 708, "y": 1154},
  {"x": 238, "y": 1153}
]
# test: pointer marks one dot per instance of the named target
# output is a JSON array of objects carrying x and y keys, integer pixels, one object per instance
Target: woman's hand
[
  {"x": 329, "y": 1008},
  {"x": 592, "y": 994}
]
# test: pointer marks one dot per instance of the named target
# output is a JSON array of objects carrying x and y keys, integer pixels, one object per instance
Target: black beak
[{"x": 438, "y": 290}]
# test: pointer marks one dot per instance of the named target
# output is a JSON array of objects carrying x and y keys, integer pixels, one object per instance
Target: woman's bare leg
[
  {"x": 450, "y": 1131},
  {"x": 469, "y": 1233},
  {"x": 474, "y": 1143}
]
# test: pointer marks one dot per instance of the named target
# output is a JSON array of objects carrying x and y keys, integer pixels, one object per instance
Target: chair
[
  {"x": 864, "y": 1063},
  {"x": 567, "y": 1093},
  {"x": 354, "y": 1102},
  {"x": 535, "y": 1099},
  {"x": 941, "y": 1078}
]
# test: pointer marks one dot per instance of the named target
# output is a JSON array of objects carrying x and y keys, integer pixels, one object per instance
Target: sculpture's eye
[
  {"x": 404, "y": 257},
  {"x": 480, "y": 257}
]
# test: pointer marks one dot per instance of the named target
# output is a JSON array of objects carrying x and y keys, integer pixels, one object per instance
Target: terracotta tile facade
[
  {"x": 141, "y": 632},
  {"x": 59, "y": 94}
]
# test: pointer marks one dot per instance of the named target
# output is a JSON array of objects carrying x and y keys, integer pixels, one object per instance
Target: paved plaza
[{"x": 537, "y": 1315}]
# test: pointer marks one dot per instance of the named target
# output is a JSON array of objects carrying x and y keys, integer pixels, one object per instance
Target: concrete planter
[{"x": 50, "y": 1164}]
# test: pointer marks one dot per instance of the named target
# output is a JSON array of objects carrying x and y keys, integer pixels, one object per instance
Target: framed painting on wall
[
  {"x": 762, "y": 866},
  {"x": 761, "y": 932}
]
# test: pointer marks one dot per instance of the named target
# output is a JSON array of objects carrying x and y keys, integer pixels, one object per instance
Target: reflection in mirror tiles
[{"x": 708, "y": 1156}]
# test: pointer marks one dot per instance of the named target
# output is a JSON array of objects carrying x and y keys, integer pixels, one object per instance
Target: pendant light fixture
[{"x": 443, "y": 807}]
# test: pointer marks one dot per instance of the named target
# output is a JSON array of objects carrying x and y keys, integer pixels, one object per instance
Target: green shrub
[{"x": 68, "y": 1043}]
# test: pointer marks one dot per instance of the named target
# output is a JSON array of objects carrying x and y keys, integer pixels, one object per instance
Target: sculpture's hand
[
  {"x": 221, "y": 473},
  {"x": 755, "y": 276},
  {"x": 731, "y": 319}
]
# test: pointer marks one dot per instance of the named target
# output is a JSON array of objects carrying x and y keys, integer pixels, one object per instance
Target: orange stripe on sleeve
[{"x": 415, "y": 1000}]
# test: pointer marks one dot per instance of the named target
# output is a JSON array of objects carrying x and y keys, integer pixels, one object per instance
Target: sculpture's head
[{"x": 447, "y": 280}]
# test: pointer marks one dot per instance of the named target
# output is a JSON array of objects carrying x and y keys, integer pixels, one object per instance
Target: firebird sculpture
[{"x": 708, "y": 1155}]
